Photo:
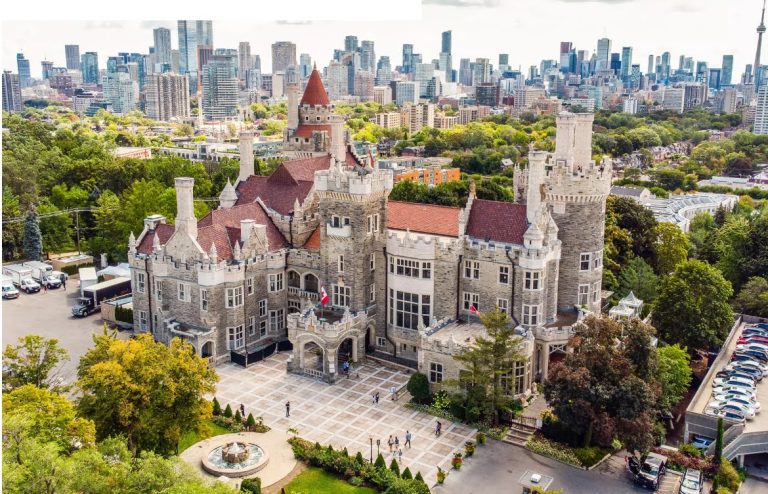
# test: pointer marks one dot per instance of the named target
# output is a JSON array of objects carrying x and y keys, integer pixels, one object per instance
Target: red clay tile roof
[
  {"x": 215, "y": 234},
  {"x": 163, "y": 230},
  {"x": 314, "y": 93},
  {"x": 313, "y": 242},
  {"x": 500, "y": 221},
  {"x": 224, "y": 225},
  {"x": 305, "y": 168},
  {"x": 306, "y": 130},
  {"x": 423, "y": 218}
]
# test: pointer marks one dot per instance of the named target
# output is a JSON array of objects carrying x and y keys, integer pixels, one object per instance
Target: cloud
[
  {"x": 597, "y": 1},
  {"x": 463, "y": 3},
  {"x": 105, "y": 25},
  {"x": 293, "y": 23}
]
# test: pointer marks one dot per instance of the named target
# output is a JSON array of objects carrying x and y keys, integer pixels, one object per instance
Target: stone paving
[{"x": 342, "y": 414}]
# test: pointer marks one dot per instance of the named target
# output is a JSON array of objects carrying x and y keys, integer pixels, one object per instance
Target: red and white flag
[
  {"x": 324, "y": 298},
  {"x": 473, "y": 308}
]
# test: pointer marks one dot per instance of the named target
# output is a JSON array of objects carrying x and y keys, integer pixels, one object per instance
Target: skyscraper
[
  {"x": 220, "y": 88},
  {"x": 626, "y": 62},
  {"x": 503, "y": 59},
  {"x": 482, "y": 71},
  {"x": 204, "y": 32},
  {"x": 167, "y": 96},
  {"x": 727, "y": 74},
  {"x": 244, "y": 59},
  {"x": 446, "y": 42},
  {"x": 367, "y": 56},
  {"x": 383, "y": 71},
  {"x": 350, "y": 43},
  {"x": 666, "y": 60},
  {"x": 603, "y": 53},
  {"x": 187, "y": 47},
  {"x": 72, "y": 53},
  {"x": 283, "y": 56},
  {"x": 305, "y": 65},
  {"x": 162, "y": 47},
  {"x": 615, "y": 63},
  {"x": 89, "y": 66},
  {"x": 651, "y": 67},
  {"x": 11, "y": 92},
  {"x": 407, "y": 58},
  {"x": 760, "y": 31},
  {"x": 22, "y": 64},
  {"x": 761, "y": 111},
  {"x": 465, "y": 72},
  {"x": 46, "y": 67}
]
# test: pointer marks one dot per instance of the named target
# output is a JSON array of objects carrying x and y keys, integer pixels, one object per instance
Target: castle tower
[
  {"x": 246, "y": 156},
  {"x": 185, "y": 209},
  {"x": 576, "y": 190}
]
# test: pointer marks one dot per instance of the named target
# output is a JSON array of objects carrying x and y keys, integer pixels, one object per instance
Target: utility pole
[{"x": 77, "y": 229}]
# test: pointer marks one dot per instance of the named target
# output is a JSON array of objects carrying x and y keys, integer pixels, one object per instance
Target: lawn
[
  {"x": 316, "y": 481},
  {"x": 192, "y": 437}
]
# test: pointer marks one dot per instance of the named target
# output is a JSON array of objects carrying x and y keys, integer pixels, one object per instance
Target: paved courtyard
[{"x": 342, "y": 414}]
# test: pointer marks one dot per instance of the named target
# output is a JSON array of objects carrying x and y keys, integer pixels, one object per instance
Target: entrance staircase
[{"x": 520, "y": 431}]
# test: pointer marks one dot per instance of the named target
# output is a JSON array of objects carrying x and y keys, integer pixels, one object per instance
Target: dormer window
[{"x": 318, "y": 119}]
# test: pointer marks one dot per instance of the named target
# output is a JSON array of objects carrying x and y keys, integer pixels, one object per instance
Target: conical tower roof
[{"x": 315, "y": 94}]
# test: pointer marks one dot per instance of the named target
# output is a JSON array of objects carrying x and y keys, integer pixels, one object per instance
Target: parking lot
[{"x": 48, "y": 314}]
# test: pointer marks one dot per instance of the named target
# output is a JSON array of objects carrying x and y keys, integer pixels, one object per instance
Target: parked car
[
  {"x": 10, "y": 291},
  {"x": 761, "y": 357},
  {"x": 731, "y": 415},
  {"x": 753, "y": 346},
  {"x": 746, "y": 392},
  {"x": 735, "y": 375},
  {"x": 750, "y": 365},
  {"x": 648, "y": 471},
  {"x": 692, "y": 482},
  {"x": 701, "y": 442},
  {"x": 734, "y": 381},
  {"x": 747, "y": 411},
  {"x": 51, "y": 281},
  {"x": 746, "y": 398},
  {"x": 751, "y": 372},
  {"x": 29, "y": 285}
]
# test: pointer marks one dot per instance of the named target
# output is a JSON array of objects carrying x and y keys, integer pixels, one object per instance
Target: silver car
[{"x": 692, "y": 482}]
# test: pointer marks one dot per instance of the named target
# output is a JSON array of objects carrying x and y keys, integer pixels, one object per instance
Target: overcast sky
[{"x": 529, "y": 30}]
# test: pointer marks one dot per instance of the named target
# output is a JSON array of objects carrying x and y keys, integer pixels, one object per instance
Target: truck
[
  {"x": 40, "y": 270},
  {"x": 9, "y": 291},
  {"x": 17, "y": 272},
  {"x": 87, "y": 278},
  {"x": 94, "y": 295}
]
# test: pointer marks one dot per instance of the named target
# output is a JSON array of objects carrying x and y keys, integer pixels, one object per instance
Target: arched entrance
[
  {"x": 294, "y": 279},
  {"x": 310, "y": 283},
  {"x": 347, "y": 351},
  {"x": 207, "y": 350},
  {"x": 370, "y": 340},
  {"x": 312, "y": 357}
]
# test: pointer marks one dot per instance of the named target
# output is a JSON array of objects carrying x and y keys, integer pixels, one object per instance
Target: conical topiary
[
  {"x": 359, "y": 458},
  {"x": 216, "y": 407},
  {"x": 228, "y": 411},
  {"x": 395, "y": 467},
  {"x": 238, "y": 417},
  {"x": 419, "y": 477},
  {"x": 250, "y": 421},
  {"x": 407, "y": 475},
  {"x": 380, "y": 463}
]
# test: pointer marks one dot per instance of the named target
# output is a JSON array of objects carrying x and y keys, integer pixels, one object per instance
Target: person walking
[
  {"x": 373, "y": 399},
  {"x": 45, "y": 287},
  {"x": 438, "y": 426},
  {"x": 242, "y": 410},
  {"x": 400, "y": 455},
  {"x": 393, "y": 390},
  {"x": 391, "y": 443},
  {"x": 408, "y": 438},
  {"x": 377, "y": 397},
  {"x": 397, "y": 442},
  {"x": 64, "y": 283},
  {"x": 287, "y": 409}
]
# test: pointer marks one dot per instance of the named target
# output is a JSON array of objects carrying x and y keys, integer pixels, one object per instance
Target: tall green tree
[
  {"x": 671, "y": 247},
  {"x": 490, "y": 362},
  {"x": 674, "y": 375},
  {"x": 34, "y": 360},
  {"x": 33, "y": 239},
  {"x": 638, "y": 277},
  {"x": 13, "y": 233},
  {"x": 753, "y": 298},
  {"x": 692, "y": 307},
  {"x": 147, "y": 391}
]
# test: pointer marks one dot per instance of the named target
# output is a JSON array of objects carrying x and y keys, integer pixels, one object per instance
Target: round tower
[{"x": 576, "y": 192}]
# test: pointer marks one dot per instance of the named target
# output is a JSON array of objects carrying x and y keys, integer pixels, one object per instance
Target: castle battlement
[{"x": 353, "y": 182}]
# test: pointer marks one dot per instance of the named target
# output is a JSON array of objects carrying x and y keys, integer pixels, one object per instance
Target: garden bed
[
  {"x": 318, "y": 481},
  {"x": 578, "y": 457}
]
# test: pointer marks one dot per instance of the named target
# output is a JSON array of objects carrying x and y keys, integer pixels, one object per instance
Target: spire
[
  {"x": 132, "y": 243},
  {"x": 213, "y": 254},
  {"x": 314, "y": 94},
  {"x": 156, "y": 243},
  {"x": 228, "y": 196},
  {"x": 760, "y": 31},
  {"x": 236, "y": 251}
]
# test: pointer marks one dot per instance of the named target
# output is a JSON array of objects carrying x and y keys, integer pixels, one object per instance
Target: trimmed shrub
[
  {"x": 469, "y": 449},
  {"x": 419, "y": 477},
  {"x": 457, "y": 461},
  {"x": 216, "y": 407},
  {"x": 407, "y": 475},
  {"x": 441, "y": 475},
  {"x": 356, "y": 481},
  {"x": 359, "y": 458},
  {"x": 394, "y": 467},
  {"x": 480, "y": 438},
  {"x": 253, "y": 486},
  {"x": 418, "y": 386},
  {"x": 690, "y": 450},
  {"x": 228, "y": 411},
  {"x": 250, "y": 421},
  {"x": 380, "y": 463},
  {"x": 719, "y": 441},
  {"x": 238, "y": 417}
]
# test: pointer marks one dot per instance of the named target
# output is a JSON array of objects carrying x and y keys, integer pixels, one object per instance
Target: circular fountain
[{"x": 235, "y": 459}]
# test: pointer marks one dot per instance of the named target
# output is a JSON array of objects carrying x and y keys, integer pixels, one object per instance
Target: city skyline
[{"x": 471, "y": 38}]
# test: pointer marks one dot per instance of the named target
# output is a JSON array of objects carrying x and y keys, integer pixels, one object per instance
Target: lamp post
[
  {"x": 378, "y": 443},
  {"x": 370, "y": 438}
]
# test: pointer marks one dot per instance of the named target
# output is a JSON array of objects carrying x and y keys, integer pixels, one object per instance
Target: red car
[{"x": 752, "y": 339}]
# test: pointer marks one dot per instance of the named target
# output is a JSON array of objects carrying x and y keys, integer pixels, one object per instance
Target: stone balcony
[
  {"x": 344, "y": 231},
  {"x": 298, "y": 292}
]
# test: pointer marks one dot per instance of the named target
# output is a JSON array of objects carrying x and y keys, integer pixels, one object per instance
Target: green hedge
[
  {"x": 124, "y": 315},
  {"x": 340, "y": 463},
  {"x": 253, "y": 486},
  {"x": 70, "y": 270}
]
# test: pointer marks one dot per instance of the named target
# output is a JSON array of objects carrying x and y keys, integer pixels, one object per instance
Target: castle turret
[
  {"x": 576, "y": 191},
  {"x": 185, "y": 210}
]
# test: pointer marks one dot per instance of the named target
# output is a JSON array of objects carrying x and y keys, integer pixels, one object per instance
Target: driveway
[{"x": 49, "y": 314}]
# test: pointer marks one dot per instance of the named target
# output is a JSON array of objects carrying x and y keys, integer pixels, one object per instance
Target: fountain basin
[{"x": 235, "y": 459}]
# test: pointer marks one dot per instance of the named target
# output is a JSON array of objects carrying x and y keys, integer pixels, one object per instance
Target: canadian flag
[
  {"x": 324, "y": 298},
  {"x": 473, "y": 308}
]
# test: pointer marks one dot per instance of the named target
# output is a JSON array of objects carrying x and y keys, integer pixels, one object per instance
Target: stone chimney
[
  {"x": 259, "y": 234},
  {"x": 533, "y": 202},
  {"x": 338, "y": 141},
  {"x": 185, "y": 210},
  {"x": 246, "y": 156},
  {"x": 293, "y": 106},
  {"x": 246, "y": 228}
]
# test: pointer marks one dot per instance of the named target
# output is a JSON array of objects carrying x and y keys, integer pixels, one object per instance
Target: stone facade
[{"x": 400, "y": 277}]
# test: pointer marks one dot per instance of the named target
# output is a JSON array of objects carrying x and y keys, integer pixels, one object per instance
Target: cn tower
[{"x": 760, "y": 31}]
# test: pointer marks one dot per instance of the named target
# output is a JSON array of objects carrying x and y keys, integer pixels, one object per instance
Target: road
[{"x": 48, "y": 314}]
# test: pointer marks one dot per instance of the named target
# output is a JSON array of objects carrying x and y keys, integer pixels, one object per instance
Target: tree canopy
[{"x": 34, "y": 360}]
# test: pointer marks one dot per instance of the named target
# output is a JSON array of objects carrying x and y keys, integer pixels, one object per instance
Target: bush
[
  {"x": 456, "y": 461},
  {"x": 238, "y": 417},
  {"x": 356, "y": 481},
  {"x": 251, "y": 485},
  {"x": 557, "y": 451},
  {"x": 418, "y": 386},
  {"x": 250, "y": 421},
  {"x": 469, "y": 449},
  {"x": 480, "y": 438},
  {"x": 359, "y": 458},
  {"x": 727, "y": 477},
  {"x": 228, "y": 411},
  {"x": 690, "y": 450},
  {"x": 590, "y": 456},
  {"x": 441, "y": 475},
  {"x": 216, "y": 407},
  {"x": 679, "y": 461},
  {"x": 418, "y": 477},
  {"x": 659, "y": 433},
  {"x": 394, "y": 467},
  {"x": 407, "y": 475},
  {"x": 380, "y": 463}
]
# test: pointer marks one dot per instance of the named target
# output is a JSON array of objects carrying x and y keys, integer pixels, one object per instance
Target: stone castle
[{"x": 402, "y": 278}]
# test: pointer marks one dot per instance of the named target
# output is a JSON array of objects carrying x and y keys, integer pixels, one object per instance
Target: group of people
[{"x": 394, "y": 444}]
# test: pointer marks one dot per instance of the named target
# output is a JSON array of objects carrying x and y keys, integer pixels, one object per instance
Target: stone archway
[
  {"x": 294, "y": 279},
  {"x": 311, "y": 283},
  {"x": 370, "y": 339},
  {"x": 347, "y": 349},
  {"x": 208, "y": 349},
  {"x": 312, "y": 357}
]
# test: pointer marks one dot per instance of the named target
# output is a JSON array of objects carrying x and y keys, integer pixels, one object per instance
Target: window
[
  {"x": 596, "y": 292},
  {"x": 372, "y": 261},
  {"x": 249, "y": 286},
  {"x": 404, "y": 347},
  {"x": 183, "y": 291},
  {"x": 435, "y": 372},
  {"x": 294, "y": 306},
  {"x": 504, "y": 275},
  {"x": 412, "y": 269},
  {"x": 276, "y": 320},
  {"x": 583, "y": 294},
  {"x": 341, "y": 295},
  {"x": 373, "y": 223},
  {"x": 235, "y": 338},
  {"x": 335, "y": 221},
  {"x": 140, "y": 282},
  {"x": 252, "y": 326},
  {"x": 340, "y": 262},
  {"x": 346, "y": 221},
  {"x": 262, "y": 328},
  {"x": 597, "y": 262},
  {"x": 203, "y": 299},
  {"x": 159, "y": 290},
  {"x": 472, "y": 270},
  {"x": 520, "y": 377},
  {"x": 503, "y": 305},
  {"x": 154, "y": 323},
  {"x": 531, "y": 280},
  {"x": 381, "y": 342},
  {"x": 471, "y": 299},
  {"x": 234, "y": 297},
  {"x": 530, "y": 315},
  {"x": 426, "y": 270},
  {"x": 142, "y": 320},
  {"x": 585, "y": 262},
  {"x": 276, "y": 282},
  {"x": 405, "y": 309},
  {"x": 372, "y": 293},
  {"x": 263, "y": 308}
]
